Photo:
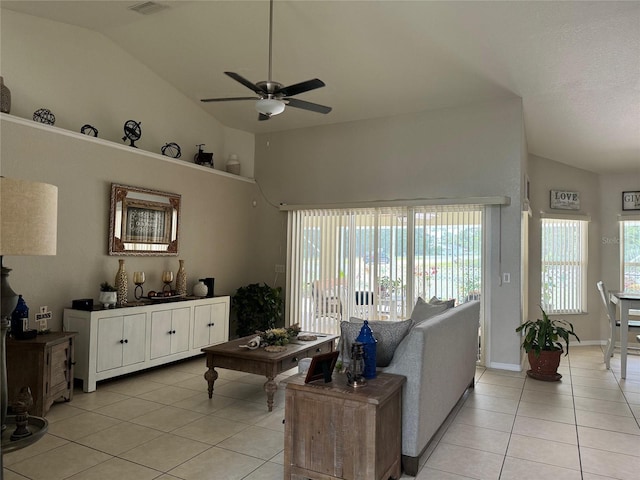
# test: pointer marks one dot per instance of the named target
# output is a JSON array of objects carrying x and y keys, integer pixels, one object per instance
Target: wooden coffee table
[{"x": 230, "y": 355}]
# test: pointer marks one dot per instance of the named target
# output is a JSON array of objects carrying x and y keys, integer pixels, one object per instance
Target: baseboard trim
[{"x": 513, "y": 367}]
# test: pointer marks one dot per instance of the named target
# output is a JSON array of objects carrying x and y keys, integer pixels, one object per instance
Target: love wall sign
[{"x": 631, "y": 200}]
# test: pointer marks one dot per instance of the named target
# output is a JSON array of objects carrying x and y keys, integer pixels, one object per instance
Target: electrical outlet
[{"x": 279, "y": 268}]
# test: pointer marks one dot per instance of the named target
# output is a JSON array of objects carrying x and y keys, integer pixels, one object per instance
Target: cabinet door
[
  {"x": 161, "y": 333},
  {"x": 201, "y": 323},
  {"x": 134, "y": 334},
  {"x": 209, "y": 324},
  {"x": 109, "y": 343},
  {"x": 58, "y": 381},
  {"x": 180, "y": 319}
]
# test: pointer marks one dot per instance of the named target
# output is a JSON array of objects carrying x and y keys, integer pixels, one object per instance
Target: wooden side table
[
  {"x": 45, "y": 365},
  {"x": 334, "y": 431}
]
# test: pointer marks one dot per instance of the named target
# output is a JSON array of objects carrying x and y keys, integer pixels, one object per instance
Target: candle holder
[
  {"x": 138, "y": 279},
  {"x": 167, "y": 278}
]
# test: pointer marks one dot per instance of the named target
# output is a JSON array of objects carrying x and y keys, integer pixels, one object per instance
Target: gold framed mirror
[{"x": 143, "y": 221}]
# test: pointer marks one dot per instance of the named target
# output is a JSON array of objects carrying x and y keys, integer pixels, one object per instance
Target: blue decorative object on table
[
  {"x": 20, "y": 321},
  {"x": 368, "y": 340}
]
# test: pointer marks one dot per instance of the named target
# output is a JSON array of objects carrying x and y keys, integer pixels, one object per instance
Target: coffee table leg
[
  {"x": 210, "y": 376},
  {"x": 270, "y": 387}
]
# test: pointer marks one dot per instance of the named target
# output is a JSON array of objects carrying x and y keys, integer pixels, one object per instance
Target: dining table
[{"x": 626, "y": 301}]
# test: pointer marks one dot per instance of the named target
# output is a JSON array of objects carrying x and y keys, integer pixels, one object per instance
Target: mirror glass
[{"x": 143, "y": 221}]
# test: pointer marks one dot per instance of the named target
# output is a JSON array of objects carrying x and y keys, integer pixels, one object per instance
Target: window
[
  {"x": 630, "y": 254},
  {"x": 564, "y": 265},
  {"x": 375, "y": 262}
]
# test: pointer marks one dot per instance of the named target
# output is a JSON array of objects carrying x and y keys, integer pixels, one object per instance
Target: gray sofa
[{"x": 438, "y": 358}]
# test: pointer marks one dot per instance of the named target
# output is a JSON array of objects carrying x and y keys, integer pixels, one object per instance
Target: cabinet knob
[
  {"x": 318, "y": 349},
  {"x": 126, "y": 341},
  {"x": 294, "y": 359}
]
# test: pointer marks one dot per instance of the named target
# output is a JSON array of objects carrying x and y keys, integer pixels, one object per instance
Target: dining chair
[{"x": 613, "y": 321}]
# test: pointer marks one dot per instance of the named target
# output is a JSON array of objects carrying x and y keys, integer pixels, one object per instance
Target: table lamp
[{"x": 28, "y": 226}]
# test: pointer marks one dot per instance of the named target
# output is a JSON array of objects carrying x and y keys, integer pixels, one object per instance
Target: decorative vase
[
  {"x": 181, "y": 280},
  {"x": 545, "y": 366},
  {"x": 5, "y": 97},
  {"x": 233, "y": 164},
  {"x": 369, "y": 348},
  {"x": 200, "y": 289},
  {"x": 122, "y": 284},
  {"x": 108, "y": 299}
]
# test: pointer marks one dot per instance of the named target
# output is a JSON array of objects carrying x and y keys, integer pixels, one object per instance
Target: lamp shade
[
  {"x": 28, "y": 217},
  {"x": 269, "y": 106}
]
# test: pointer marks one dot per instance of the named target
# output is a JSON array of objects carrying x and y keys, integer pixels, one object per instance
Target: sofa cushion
[
  {"x": 388, "y": 334},
  {"x": 449, "y": 303},
  {"x": 423, "y": 311}
]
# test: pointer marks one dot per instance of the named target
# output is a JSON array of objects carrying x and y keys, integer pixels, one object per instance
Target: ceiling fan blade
[
  {"x": 228, "y": 99},
  {"x": 301, "y": 87},
  {"x": 262, "y": 117},
  {"x": 314, "y": 107},
  {"x": 245, "y": 82}
]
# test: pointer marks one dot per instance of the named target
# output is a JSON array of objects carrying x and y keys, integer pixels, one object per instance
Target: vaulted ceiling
[{"x": 576, "y": 65}]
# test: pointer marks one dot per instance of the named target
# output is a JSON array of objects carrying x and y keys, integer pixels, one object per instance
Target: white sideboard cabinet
[{"x": 117, "y": 341}]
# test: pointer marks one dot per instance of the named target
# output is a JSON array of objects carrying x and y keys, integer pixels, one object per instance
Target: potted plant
[
  {"x": 108, "y": 294},
  {"x": 258, "y": 308},
  {"x": 543, "y": 347}
]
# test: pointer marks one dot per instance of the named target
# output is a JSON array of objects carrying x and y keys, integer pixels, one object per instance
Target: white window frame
[
  {"x": 634, "y": 262},
  {"x": 558, "y": 299}
]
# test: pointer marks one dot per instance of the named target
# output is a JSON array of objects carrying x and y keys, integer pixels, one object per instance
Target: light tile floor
[{"x": 161, "y": 425}]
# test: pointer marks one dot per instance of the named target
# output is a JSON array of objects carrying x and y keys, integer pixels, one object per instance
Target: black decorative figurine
[
  {"x": 172, "y": 150},
  {"x": 203, "y": 158},
  {"x": 89, "y": 130},
  {"x": 132, "y": 131},
  {"x": 44, "y": 115}
]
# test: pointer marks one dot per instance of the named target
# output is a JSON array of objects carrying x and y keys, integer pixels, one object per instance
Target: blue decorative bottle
[
  {"x": 366, "y": 337},
  {"x": 20, "y": 318}
]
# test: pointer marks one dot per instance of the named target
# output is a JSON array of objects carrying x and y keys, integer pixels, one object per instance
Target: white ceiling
[{"x": 576, "y": 65}]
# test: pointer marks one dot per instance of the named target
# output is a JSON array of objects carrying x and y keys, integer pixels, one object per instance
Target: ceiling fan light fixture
[{"x": 270, "y": 106}]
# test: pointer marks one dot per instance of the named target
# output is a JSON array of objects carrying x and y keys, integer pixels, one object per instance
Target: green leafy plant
[
  {"x": 258, "y": 308},
  {"x": 107, "y": 287},
  {"x": 546, "y": 334}
]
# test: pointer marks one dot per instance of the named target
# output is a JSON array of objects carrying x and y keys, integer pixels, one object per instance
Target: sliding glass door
[{"x": 374, "y": 263}]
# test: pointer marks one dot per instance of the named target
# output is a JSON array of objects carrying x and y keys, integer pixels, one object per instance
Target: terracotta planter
[{"x": 545, "y": 366}]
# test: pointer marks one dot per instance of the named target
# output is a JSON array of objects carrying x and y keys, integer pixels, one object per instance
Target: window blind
[
  {"x": 563, "y": 265},
  {"x": 373, "y": 263}
]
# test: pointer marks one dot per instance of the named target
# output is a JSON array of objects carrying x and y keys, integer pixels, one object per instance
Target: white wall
[
  {"x": 458, "y": 152},
  {"x": 84, "y": 78},
  {"x": 546, "y": 175},
  {"x": 601, "y": 200}
]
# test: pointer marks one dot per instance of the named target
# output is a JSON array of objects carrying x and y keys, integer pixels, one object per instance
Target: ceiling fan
[{"x": 273, "y": 97}]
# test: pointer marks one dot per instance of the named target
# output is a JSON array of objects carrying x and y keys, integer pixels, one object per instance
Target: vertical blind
[
  {"x": 563, "y": 265},
  {"x": 630, "y": 255},
  {"x": 374, "y": 262}
]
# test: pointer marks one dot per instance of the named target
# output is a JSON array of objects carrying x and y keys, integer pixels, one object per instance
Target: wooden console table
[
  {"x": 230, "y": 355},
  {"x": 334, "y": 431}
]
